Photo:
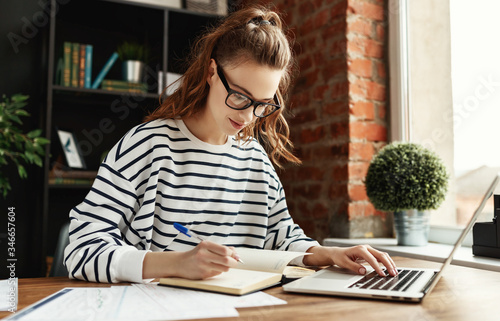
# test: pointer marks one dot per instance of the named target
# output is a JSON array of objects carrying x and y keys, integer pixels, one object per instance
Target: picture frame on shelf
[{"x": 70, "y": 148}]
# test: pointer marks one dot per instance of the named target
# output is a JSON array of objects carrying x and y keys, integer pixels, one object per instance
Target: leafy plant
[
  {"x": 16, "y": 146},
  {"x": 132, "y": 51},
  {"x": 405, "y": 176}
]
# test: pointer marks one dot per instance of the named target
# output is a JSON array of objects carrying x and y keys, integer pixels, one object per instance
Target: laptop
[{"x": 411, "y": 285}]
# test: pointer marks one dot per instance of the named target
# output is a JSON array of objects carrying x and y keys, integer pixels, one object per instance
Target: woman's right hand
[{"x": 207, "y": 259}]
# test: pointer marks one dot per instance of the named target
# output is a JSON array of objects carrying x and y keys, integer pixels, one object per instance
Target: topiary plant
[
  {"x": 404, "y": 176},
  {"x": 132, "y": 51},
  {"x": 16, "y": 146}
]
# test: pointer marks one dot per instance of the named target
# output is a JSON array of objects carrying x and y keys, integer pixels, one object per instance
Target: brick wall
[{"x": 339, "y": 106}]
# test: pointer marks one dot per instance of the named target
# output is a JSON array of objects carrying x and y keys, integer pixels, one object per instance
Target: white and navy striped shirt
[{"x": 158, "y": 174}]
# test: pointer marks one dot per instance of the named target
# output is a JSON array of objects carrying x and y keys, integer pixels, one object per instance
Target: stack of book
[
  {"x": 74, "y": 68},
  {"x": 58, "y": 176},
  {"x": 125, "y": 86}
]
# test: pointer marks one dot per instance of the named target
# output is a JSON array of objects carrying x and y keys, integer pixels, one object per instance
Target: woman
[{"x": 203, "y": 159}]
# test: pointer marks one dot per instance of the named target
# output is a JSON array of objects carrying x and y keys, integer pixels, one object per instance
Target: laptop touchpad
[{"x": 334, "y": 273}]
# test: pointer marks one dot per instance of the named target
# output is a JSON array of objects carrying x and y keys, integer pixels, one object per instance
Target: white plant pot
[
  {"x": 412, "y": 227},
  {"x": 133, "y": 71}
]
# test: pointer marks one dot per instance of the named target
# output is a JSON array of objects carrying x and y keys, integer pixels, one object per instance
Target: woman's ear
[{"x": 212, "y": 72}]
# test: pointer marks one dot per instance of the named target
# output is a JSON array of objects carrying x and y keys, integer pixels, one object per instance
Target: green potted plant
[
  {"x": 15, "y": 146},
  {"x": 409, "y": 180},
  {"x": 133, "y": 56}
]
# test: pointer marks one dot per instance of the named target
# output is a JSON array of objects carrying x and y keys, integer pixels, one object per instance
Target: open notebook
[{"x": 261, "y": 269}]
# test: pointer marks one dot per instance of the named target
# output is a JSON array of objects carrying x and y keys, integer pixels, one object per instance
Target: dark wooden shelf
[
  {"x": 70, "y": 186},
  {"x": 75, "y": 90},
  {"x": 98, "y": 118}
]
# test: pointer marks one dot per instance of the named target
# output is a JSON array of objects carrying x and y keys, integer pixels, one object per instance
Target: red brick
[
  {"x": 340, "y": 173},
  {"x": 312, "y": 192},
  {"x": 375, "y": 91},
  {"x": 381, "y": 111},
  {"x": 362, "y": 109},
  {"x": 320, "y": 211},
  {"x": 360, "y": 209},
  {"x": 319, "y": 92},
  {"x": 360, "y": 67},
  {"x": 366, "y": 9},
  {"x": 360, "y": 26},
  {"x": 368, "y": 131},
  {"x": 335, "y": 108},
  {"x": 368, "y": 47},
  {"x": 339, "y": 151},
  {"x": 317, "y": 3},
  {"x": 307, "y": 225},
  {"x": 319, "y": 58},
  {"x": 305, "y": 63},
  {"x": 312, "y": 135},
  {"x": 338, "y": 191},
  {"x": 304, "y": 117},
  {"x": 312, "y": 78},
  {"x": 358, "y": 170},
  {"x": 310, "y": 44},
  {"x": 374, "y": 49},
  {"x": 300, "y": 99},
  {"x": 340, "y": 90},
  {"x": 381, "y": 70},
  {"x": 306, "y": 8},
  {"x": 335, "y": 30},
  {"x": 357, "y": 193},
  {"x": 334, "y": 68},
  {"x": 338, "y": 49},
  {"x": 306, "y": 27},
  {"x": 321, "y": 18},
  {"x": 326, "y": 152},
  {"x": 361, "y": 151},
  {"x": 339, "y": 130},
  {"x": 368, "y": 89},
  {"x": 340, "y": 9},
  {"x": 380, "y": 32},
  {"x": 311, "y": 173}
]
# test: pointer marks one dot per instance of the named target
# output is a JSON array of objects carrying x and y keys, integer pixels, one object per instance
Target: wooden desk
[{"x": 462, "y": 294}]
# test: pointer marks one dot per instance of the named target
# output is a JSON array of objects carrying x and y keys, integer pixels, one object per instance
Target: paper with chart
[{"x": 138, "y": 302}]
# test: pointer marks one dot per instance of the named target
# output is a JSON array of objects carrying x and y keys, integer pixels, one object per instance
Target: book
[
  {"x": 81, "y": 65},
  {"x": 88, "y": 66},
  {"x": 124, "y": 86},
  {"x": 261, "y": 269},
  {"x": 105, "y": 69},
  {"x": 67, "y": 64},
  {"x": 75, "y": 64}
]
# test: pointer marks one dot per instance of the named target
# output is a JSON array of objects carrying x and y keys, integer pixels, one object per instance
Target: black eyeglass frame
[{"x": 252, "y": 102}]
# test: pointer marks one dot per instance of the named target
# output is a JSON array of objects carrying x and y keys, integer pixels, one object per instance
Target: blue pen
[{"x": 184, "y": 230}]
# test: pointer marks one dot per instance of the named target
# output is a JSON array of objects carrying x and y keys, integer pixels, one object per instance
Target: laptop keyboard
[{"x": 401, "y": 282}]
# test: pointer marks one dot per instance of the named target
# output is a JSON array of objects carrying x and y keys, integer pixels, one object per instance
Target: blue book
[
  {"x": 104, "y": 70},
  {"x": 88, "y": 66}
]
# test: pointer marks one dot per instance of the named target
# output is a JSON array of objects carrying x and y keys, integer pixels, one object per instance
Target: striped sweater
[{"x": 159, "y": 173}]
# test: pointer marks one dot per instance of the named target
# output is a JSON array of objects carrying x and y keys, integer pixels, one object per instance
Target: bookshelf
[{"x": 98, "y": 118}]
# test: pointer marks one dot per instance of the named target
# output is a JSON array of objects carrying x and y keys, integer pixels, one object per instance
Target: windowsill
[{"x": 431, "y": 252}]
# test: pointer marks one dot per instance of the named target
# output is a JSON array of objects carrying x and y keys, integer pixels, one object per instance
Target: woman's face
[{"x": 256, "y": 81}]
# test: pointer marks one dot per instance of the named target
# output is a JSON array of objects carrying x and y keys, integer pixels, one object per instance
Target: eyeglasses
[{"x": 239, "y": 101}]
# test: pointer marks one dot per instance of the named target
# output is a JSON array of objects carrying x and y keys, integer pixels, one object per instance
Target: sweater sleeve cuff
[
  {"x": 301, "y": 247},
  {"x": 129, "y": 266}
]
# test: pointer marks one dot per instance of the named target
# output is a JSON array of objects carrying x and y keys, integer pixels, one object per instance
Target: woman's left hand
[{"x": 349, "y": 258}]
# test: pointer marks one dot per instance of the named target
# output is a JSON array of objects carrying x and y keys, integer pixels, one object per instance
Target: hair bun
[{"x": 259, "y": 21}]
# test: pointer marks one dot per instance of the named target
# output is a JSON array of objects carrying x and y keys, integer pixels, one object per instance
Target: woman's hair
[{"x": 254, "y": 33}]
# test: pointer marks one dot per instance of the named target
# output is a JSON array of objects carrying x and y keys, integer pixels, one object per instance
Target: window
[{"x": 445, "y": 93}]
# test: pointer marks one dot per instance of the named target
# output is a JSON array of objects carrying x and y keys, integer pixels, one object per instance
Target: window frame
[{"x": 400, "y": 102}]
